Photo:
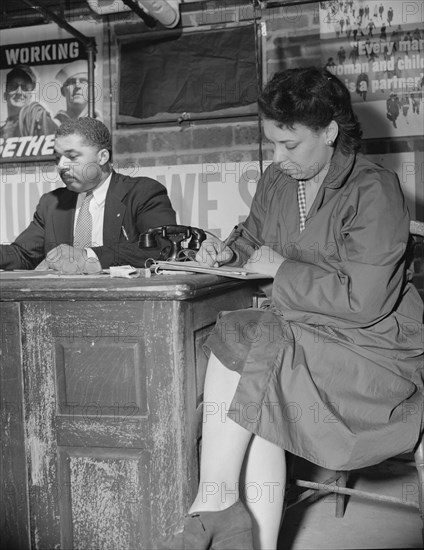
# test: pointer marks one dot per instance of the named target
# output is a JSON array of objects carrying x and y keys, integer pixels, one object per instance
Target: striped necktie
[
  {"x": 301, "y": 199},
  {"x": 84, "y": 226}
]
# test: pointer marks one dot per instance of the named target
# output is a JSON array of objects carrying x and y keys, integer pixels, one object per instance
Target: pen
[
  {"x": 124, "y": 233},
  {"x": 227, "y": 240}
]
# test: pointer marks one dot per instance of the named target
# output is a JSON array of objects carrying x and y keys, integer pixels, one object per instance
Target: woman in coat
[{"x": 330, "y": 368}]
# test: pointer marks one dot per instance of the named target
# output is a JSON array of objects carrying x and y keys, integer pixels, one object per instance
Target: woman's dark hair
[
  {"x": 312, "y": 97},
  {"x": 93, "y": 130}
]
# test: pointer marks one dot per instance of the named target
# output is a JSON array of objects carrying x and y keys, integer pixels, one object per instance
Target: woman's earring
[{"x": 330, "y": 142}]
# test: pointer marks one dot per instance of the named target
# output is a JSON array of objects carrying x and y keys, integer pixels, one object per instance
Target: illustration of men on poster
[
  {"x": 43, "y": 82},
  {"x": 25, "y": 116},
  {"x": 73, "y": 80},
  {"x": 384, "y": 63}
]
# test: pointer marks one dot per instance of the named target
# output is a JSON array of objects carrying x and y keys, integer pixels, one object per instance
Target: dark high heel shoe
[
  {"x": 229, "y": 529},
  {"x": 233, "y": 529},
  {"x": 191, "y": 534}
]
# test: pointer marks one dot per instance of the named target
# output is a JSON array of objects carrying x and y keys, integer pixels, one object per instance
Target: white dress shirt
[{"x": 97, "y": 211}]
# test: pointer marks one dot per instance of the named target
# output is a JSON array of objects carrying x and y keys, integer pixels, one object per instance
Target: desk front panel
[{"x": 111, "y": 394}]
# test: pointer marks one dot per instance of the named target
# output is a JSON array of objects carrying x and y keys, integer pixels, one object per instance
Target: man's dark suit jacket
[{"x": 132, "y": 206}]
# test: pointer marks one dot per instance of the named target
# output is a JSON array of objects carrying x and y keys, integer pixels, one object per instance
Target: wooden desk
[{"x": 101, "y": 381}]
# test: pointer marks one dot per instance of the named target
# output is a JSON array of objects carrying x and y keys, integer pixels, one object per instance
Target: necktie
[
  {"x": 84, "y": 225},
  {"x": 301, "y": 199}
]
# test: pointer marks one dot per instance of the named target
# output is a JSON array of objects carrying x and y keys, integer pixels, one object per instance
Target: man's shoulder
[
  {"x": 56, "y": 196},
  {"x": 138, "y": 183},
  {"x": 57, "y": 192}
]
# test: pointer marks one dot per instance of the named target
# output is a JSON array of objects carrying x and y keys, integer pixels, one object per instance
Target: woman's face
[{"x": 299, "y": 151}]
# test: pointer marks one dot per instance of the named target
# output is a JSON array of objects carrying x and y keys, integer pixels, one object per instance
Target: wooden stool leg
[
  {"x": 340, "y": 499},
  {"x": 419, "y": 464}
]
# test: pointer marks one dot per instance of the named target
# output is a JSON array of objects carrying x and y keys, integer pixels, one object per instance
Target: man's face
[
  {"x": 19, "y": 92},
  {"x": 79, "y": 164},
  {"x": 75, "y": 91}
]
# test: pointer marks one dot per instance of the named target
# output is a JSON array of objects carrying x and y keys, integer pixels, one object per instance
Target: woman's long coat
[{"x": 332, "y": 368}]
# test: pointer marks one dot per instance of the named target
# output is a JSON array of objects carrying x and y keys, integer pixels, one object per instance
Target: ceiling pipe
[
  {"x": 165, "y": 11},
  {"x": 267, "y": 4},
  {"x": 107, "y": 7},
  {"x": 134, "y": 6},
  {"x": 48, "y": 14}
]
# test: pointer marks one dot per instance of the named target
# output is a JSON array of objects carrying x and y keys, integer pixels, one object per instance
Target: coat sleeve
[
  {"x": 247, "y": 236},
  {"x": 28, "y": 250},
  {"x": 362, "y": 286},
  {"x": 147, "y": 206}
]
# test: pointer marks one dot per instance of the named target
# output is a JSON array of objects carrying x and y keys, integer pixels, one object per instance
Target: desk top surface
[{"x": 30, "y": 285}]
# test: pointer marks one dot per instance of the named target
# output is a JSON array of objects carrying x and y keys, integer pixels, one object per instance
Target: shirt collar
[{"x": 99, "y": 193}]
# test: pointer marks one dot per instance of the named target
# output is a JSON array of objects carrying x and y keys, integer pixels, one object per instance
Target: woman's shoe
[
  {"x": 229, "y": 529},
  {"x": 192, "y": 534},
  {"x": 233, "y": 531},
  {"x": 239, "y": 541}
]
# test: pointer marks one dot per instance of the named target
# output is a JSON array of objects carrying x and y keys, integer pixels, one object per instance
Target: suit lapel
[{"x": 114, "y": 211}]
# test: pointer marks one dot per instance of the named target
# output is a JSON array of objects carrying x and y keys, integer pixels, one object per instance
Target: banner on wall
[
  {"x": 377, "y": 49},
  {"x": 213, "y": 196},
  {"x": 43, "y": 81}
]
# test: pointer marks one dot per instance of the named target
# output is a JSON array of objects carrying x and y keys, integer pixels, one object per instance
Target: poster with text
[
  {"x": 43, "y": 81},
  {"x": 377, "y": 49}
]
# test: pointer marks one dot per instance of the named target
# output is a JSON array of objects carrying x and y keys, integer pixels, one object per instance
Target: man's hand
[
  {"x": 214, "y": 252},
  {"x": 67, "y": 259},
  {"x": 264, "y": 260}
]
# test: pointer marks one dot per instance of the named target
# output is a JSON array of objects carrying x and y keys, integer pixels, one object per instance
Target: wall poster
[
  {"x": 377, "y": 49},
  {"x": 43, "y": 81}
]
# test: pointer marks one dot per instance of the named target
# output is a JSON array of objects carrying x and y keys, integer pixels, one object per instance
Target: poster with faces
[{"x": 44, "y": 81}]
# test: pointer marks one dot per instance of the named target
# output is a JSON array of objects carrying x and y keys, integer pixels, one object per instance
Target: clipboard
[{"x": 196, "y": 267}]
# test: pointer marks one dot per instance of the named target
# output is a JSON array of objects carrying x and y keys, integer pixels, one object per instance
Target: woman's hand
[
  {"x": 214, "y": 252},
  {"x": 264, "y": 260}
]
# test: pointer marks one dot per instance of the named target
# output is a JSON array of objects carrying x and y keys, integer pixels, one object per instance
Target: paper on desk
[
  {"x": 195, "y": 267},
  {"x": 128, "y": 272}
]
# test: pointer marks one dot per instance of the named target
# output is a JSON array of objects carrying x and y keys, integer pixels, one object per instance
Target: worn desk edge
[{"x": 163, "y": 287}]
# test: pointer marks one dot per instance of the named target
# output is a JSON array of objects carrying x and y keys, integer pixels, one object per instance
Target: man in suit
[{"x": 116, "y": 209}]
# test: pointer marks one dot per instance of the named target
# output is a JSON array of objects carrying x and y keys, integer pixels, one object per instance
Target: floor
[{"x": 366, "y": 524}]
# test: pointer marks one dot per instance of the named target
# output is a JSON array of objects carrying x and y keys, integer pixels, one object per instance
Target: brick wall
[{"x": 195, "y": 142}]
